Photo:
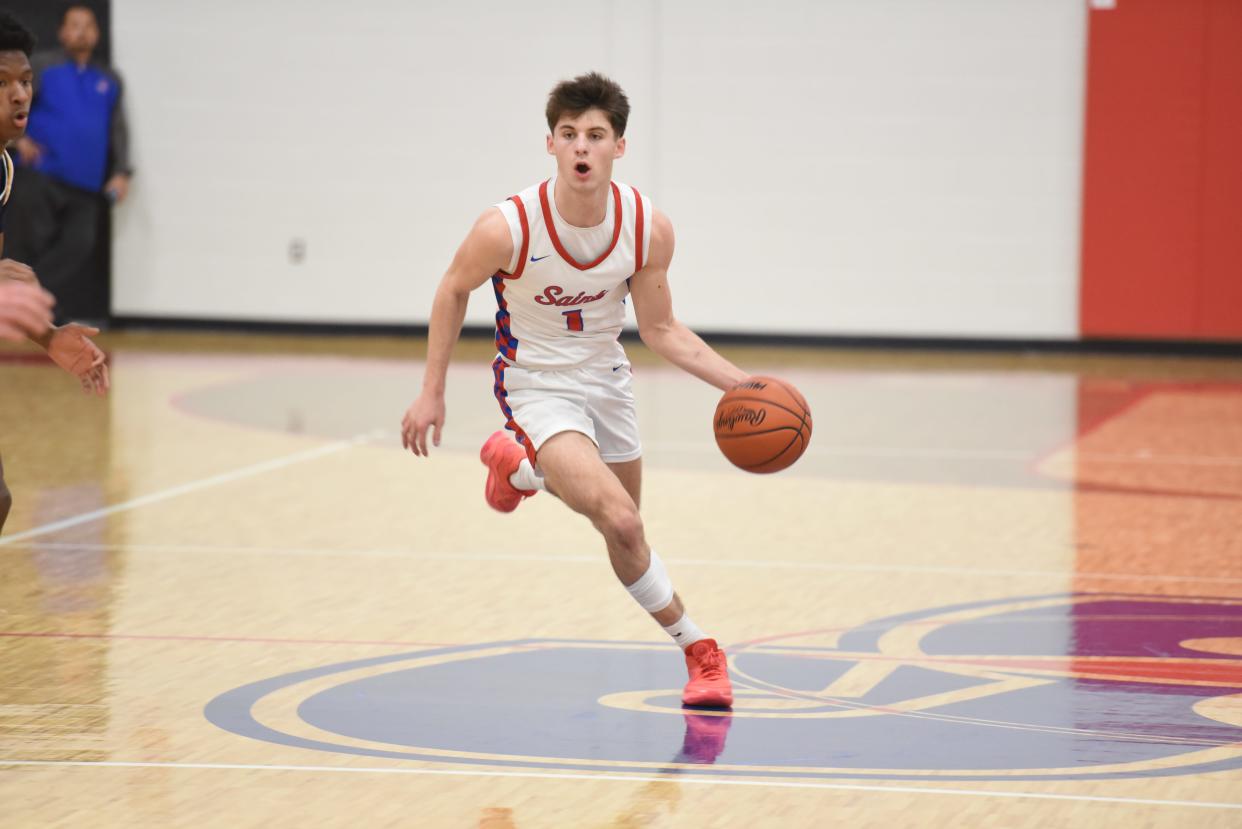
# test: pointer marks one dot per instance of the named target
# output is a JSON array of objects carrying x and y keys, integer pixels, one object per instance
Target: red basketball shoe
[
  {"x": 709, "y": 676},
  {"x": 502, "y": 457}
]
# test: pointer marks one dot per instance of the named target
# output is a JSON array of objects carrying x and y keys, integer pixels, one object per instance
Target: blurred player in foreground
[{"x": 25, "y": 308}]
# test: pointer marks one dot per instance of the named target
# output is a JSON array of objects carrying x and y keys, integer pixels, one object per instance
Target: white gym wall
[{"x": 832, "y": 167}]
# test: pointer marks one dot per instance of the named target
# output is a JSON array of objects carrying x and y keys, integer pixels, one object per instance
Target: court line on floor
[
  {"x": 766, "y": 564},
  {"x": 245, "y": 640},
  {"x": 939, "y": 453},
  {"x": 674, "y": 778},
  {"x": 194, "y": 486},
  {"x": 708, "y": 449}
]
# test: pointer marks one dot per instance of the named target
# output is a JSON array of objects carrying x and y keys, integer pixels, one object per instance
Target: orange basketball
[{"x": 762, "y": 424}]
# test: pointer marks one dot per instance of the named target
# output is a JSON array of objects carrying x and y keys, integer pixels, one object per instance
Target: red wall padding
[
  {"x": 1162, "y": 177},
  {"x": 1220, "y": 297}
]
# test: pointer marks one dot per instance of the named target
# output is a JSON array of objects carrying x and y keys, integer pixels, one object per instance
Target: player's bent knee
[{"x": 623, "y": 525}]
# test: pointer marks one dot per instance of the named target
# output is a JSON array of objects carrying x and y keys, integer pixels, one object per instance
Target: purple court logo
[{"x": 1041, "y": 687}]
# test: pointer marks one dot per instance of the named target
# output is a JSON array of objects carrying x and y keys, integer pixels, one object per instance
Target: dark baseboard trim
[
  {"x": 235, "y": 326},
  {"x": 1093, "y": 345}
]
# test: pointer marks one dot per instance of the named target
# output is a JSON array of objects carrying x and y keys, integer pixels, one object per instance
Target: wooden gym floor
[{"x": 999, "y": 590}]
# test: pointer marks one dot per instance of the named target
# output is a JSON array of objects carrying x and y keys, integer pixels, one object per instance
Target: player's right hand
[
  {"x": 424, "y": 413},
  {"x": 25, "y": 311}
]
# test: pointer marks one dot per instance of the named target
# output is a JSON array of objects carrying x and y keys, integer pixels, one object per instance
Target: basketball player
[
  {"x": 562, "y": 257},
  {"x": 24, "y": 306}
]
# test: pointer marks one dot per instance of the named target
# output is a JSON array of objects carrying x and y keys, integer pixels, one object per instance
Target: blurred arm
[{"x": 118, "y": 147}]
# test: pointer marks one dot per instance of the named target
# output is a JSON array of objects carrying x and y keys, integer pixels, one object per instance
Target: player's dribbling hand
[
  {"x": 25, "y": 311},
  {"x": 424, "y": 413}
]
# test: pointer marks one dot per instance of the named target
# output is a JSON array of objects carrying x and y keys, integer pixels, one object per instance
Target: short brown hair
[{"x": 589, "y": 91}]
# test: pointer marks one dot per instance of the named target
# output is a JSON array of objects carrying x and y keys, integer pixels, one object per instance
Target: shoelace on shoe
[{"x": 712, "y": 665}]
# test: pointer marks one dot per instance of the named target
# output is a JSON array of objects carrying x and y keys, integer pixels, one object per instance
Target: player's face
[
  {"x": 79, "y": 32},
  {"x": 16, "y": 79},
  {"x": 585, "y": 147}
]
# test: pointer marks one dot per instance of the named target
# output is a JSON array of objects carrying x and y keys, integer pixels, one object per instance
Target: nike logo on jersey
[
  {"x": 614, "y": 368},
  {"x": 537, "y": 258}
]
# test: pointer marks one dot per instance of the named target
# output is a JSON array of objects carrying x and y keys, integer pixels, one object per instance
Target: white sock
[
  {"x": 526, "y": 477},
  {"x": 684, "y": 631}
]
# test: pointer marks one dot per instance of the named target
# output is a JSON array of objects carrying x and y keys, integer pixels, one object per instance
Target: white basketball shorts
[{"x": 596, "y": 400}]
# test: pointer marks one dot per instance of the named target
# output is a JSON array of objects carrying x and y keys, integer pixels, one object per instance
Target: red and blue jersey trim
[
  {"x": 556, "y": 240},
  {"x": 506, "y": 343},
  {"x": 498, "y": 371},
  {"x": 638, "y": 231}
]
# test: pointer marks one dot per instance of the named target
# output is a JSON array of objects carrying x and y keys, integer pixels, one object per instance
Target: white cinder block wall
[{"x": 858, "y": 167}]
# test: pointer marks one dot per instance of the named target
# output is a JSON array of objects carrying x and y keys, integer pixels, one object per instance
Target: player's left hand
[{"x": 70, "y": 347}]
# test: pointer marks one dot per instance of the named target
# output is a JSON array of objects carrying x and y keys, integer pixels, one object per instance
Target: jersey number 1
[{"x": 573, "y": 319}]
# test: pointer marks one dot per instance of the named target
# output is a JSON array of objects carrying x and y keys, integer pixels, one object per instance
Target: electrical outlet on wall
[{"x": 297, "y": 251}]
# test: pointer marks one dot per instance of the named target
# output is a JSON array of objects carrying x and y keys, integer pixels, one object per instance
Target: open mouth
[
  {"x": 20, "y": 118},
  {"x": 582, "y": 168}
]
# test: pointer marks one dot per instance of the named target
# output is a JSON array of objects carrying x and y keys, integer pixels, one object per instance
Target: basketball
[{"x": 762, "y": 424}]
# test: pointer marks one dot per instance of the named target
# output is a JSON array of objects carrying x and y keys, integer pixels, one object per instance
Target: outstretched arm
[
  {"x": 69, "y": 346},
  {"x": 487, "y": 249},
  {"x": 660, "y": 330}
]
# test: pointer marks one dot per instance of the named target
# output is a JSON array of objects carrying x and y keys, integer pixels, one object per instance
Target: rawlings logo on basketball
[
  {"x": 776, "y": 406},
  {"x": 553, "y": 295},
  {"x": 729, "y": 418}
]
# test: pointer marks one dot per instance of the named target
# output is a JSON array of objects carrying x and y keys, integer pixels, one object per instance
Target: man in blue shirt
[{"x": 75, "y": 154}]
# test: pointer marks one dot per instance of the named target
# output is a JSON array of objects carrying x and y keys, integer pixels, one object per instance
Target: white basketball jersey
[{"x": 556, "y": 309}]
